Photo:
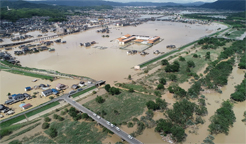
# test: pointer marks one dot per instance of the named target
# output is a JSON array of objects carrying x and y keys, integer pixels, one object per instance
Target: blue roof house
[
  {"x": 55, "y": 92},
  {"x": 28, "y": 88},
  {"x": 21, "y": 105}
]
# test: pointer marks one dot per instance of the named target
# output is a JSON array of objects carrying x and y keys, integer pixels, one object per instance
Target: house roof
[
  {"x": 59, "y": 85},
  {"x": 21, "y": 105},
  {"x": 28, "y": 88},
  {"x": 139, "y": 40},
  {"x": 47, "y": 91},
  {"x": 127, "y": 35},
  {"x": 27, "y": 105}
]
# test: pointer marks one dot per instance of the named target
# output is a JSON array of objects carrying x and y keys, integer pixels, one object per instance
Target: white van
[{"x": 118, "y": 129}]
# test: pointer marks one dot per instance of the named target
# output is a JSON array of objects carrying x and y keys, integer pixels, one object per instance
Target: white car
[
  {"x": 118, "y": 129},
  {"x": 98, "y": 117},
  {"x": 112, "y": 125},
  {"x": 94, "y": 114},
  {"x": 108, "y": 122},
  {"x": 1, "y": 116},
  {"x": 130, "y": 137},
  {"x": 10, "y": 112}
]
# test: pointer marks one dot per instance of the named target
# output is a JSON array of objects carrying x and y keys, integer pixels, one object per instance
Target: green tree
[
  {"x": 162, "y": 81},
  {"x": 52, "y": 132},
  {"x": 178, "y": 133},
  {"x": 160, "y": 86},
  {"x": 131, "y": 90},
  {"x": 47, "y": 119},
  {"x": 164, "y": 62},
  {"x": 181, "y": 58},
  {"x": 45, "y": 125},
  {"x": 84, "y": 116},
  {"x": 99, "y": 99},
  {"x": 107, "y": 87},
  {"x": 129, "y": 77},
  {"x": 195, "y": 55},
  {"x": 172, "y": 77},
  {"x": 129, "y": 124},
  {"x": 157, "y": 93},
  {"x": 55, "y": 116},
  {"x": 60, "y": 118},
  {"x": 15, "y": 142},
  {"x": 150, "y": 114},
  {"x": 207, "y": 56},
  {"x": 152, "y": 105},
  {"x": 162, "y": 104},
  {"x": 190, "y": 63}
]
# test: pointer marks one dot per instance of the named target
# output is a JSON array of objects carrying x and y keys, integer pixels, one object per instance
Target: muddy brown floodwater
[
  {"x": 237, "y": 133},
  {"x": 112, "y": 64}
]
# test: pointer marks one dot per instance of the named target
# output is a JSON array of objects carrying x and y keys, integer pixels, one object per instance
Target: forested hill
[
  {"x": 236, "y": 5},
  {"x": 22, "y": 4}
]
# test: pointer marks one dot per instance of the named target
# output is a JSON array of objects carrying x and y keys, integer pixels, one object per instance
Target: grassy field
[
  {"x": 82, "y": 92},
  {"x": 127, "y": 104},
  {"x": 12, "y": 121},
  {"x": 23, "y": 131},
  {"x": 236, "y": 33},
  {"x": 39, "y": 140},
  {"x": 31, "y": 74},
  {"x": 42, "y": 109},
  {"x": 77, "y": 132},
  {"x": 139, "y": 88}
]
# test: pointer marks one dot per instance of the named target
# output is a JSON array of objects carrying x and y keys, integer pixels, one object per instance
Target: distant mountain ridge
[
  {"x": 236, "y": 5},
  {"x": 102, "y": 2}
]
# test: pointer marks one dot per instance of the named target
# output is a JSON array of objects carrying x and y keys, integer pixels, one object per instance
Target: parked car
[
  {"x": 10, "y": 112},
  {"x": 72, "y": 92},
  {"x": 80, "y": 89},
  {"x": 98, "y": 117},
  {"x": 94, "y": 114},
  {"x": 1, "y": 116},
  {"x": 130, "y": 137}
]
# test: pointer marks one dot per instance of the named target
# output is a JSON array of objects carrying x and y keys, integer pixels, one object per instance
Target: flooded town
[{"x": 135, "y": 73}]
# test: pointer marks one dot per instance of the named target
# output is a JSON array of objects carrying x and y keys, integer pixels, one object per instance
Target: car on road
[
  {"x": 112, "y": 125},
  {"x": 98, "y": 117},
  {"x": 94, "y": 114},
  {"x": 72, "y": 92},
  {"x": 118, "y": 129},
  {"x": 130, "y": 137},
  {"x": 108, "y": 123},
  {"x": 10, "y": 112},
  {"x": 1, "y": 116},
  {"x": 80, "y": 89}
]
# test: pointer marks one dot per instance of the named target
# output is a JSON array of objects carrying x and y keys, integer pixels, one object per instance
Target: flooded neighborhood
[{"x": 117, "y": 72}]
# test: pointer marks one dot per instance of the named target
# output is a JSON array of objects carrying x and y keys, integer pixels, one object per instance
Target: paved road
[{"x": 102, "y": 121}]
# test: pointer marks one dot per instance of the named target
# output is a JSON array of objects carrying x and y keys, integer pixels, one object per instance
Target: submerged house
[
  {"x": 28, "y": 88},
  {"x": 60, "y": 86},
  {"x": 26, "y": 106},
  {"x": 47, "y": 92}
]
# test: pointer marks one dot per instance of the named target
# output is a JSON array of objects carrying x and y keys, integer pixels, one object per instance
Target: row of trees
[
  {"x": 219, "y": 74},
  {"x": 242, "y": 63},
  {"x": 223, "y": 118},
  {"x": 240, "y": 93},
  {"x": 172, "y": 67},
  {"x": 112, "y": 90},
  {"x": 211, "y": 42}
]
